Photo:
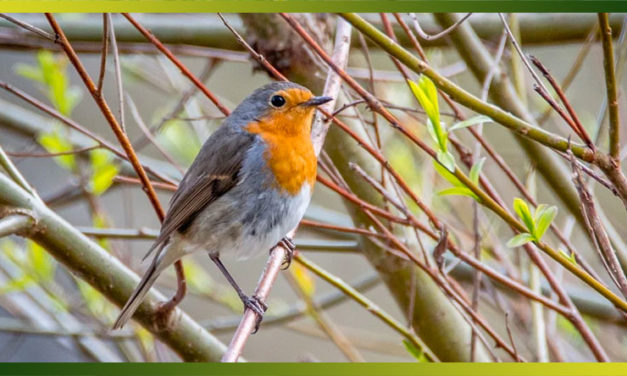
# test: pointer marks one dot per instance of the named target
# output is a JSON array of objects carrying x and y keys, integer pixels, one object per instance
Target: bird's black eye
[{"x": 277, "y": 101}]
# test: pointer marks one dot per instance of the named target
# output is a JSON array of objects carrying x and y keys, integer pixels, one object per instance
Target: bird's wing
[{"x": 213, "y": 173}]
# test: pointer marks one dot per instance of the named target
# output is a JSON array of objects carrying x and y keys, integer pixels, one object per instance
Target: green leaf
[
  {"x": 50, "y": 73},
  {"x": 570, "y": 257},
  {"x": 432, "y": 132},
  {"x": 520, "y": 239},
  {"x": 544, "y": 221},
  {"x": 30, "y": 72},
  {"x": 55, "y": 80},
  {"x": 427, "y": 95},
  {"x": 475, "y": 171},
  {"x": 103, "y": 171},
  {"x": 414, "y": 351},
  {"x": 521, "y": 208},
  {"x": 447, "y": 159},
  {"x": 102, "y": 179},
  {"x": 469, "y": 122},
  {"x": 428, "y": 87},
  {"x": 446, "y": 174},
  {"x": 458, "y": 191},
  {"x": 539, "y": 210},
  {"x": 55, "y": 141}
]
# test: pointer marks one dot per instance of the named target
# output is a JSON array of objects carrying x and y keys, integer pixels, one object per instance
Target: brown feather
[{"x": 213, "y": 173}]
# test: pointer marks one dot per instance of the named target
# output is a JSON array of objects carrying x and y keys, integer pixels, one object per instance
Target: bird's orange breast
[{"x": 290, "y": 154}]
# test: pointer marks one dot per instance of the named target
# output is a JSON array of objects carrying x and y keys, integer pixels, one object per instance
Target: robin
[{"x": 249, "y": 185}]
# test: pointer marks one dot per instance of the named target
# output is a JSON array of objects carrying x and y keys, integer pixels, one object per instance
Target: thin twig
[
  {"x": 254, "y": 54},
  {"x": 368, "y": 304},
  {"x": 325, "y": 323},
  {"x": 579, "y": 128},
  {"x": 576, "y": 66},
  {"x": 105, "y": 48},
  {"x": 611, "y": 85},
  {"x": 77, "y": 127},
  {"x": 140, "y": 123},
  {"x": 29, "y": 27},
  {"x": 439, "y": 35},
  {"x": 104, "y": 107},
  {"x": 620, "y": 63},
  {"x": 148, "y": 35},
  {"x": 14, "y": 224},
  {"x": 141, "y": 142},
  {"x": 522, "y": 55},
  {"x": 326, "y": 226},
  {"x": 50, "y": 155},
  {"x": 157, "y": 184},
  {"x": 319, "y": 129},
  {"x": 596, "y": 230},
  {"x": 509, "y": 334},
  {"x": 14, "y": 173},
  {"x": 118, "y": 73},
  {"x": 119, "y": 132}
]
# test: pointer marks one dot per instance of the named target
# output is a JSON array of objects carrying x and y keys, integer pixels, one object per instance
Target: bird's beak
[{"x": 316, "y": 101}]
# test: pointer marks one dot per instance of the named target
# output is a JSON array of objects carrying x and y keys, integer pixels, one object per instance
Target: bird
[{"x": 249, "y": 185}]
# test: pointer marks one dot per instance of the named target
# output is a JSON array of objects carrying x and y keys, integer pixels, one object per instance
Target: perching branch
[
  {"x": 342, "y": 44},
  {"x": 107, "y": 274}
]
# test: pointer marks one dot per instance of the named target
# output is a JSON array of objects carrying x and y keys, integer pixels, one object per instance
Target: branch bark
[
  {"x": 107, "y": 274},
  {"x": 611, "y": 85},
  {"x": 199, "y": 30}
]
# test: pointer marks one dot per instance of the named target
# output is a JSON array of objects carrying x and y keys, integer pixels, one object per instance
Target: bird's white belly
[
  {"x": 261, "y": 243},
  {"x": 216, "y": 231}
]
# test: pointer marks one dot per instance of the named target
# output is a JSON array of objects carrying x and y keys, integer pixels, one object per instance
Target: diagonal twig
[
  {"x": 148, "y": 35},
  {"x": 594, "y": 225},
  {"x": 342, "y": 43},
  {"x": 439, "y": 35},
  {"x": 611, "y": 85}
]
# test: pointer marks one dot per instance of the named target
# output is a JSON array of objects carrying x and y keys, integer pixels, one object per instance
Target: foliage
[{"x": 536, "y": 223}]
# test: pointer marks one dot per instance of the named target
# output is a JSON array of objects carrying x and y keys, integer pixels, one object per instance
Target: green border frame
[
  {"x": 306, "y": 369},
  {"x": 312, "y": 5},
  {"x": 316, "y": 369}
]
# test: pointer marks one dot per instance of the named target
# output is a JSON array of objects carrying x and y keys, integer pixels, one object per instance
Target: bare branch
[
  {"x": 595, "y": 227},
  {"x": 105, "y": 48},
  {"x": 439, "y": 35},
  {"x": 611, "y": 85},
  {"x": 278, "y": 253}
]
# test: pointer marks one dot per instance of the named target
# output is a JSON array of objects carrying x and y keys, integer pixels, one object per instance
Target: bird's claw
[
  {"x": 255, "y": 304},
  {"x": 290, "y": 247}
]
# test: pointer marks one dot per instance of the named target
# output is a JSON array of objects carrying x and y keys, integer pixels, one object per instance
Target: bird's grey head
[{"x": 275, "y": 96}]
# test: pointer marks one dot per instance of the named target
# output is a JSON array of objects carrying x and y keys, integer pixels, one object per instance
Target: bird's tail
[{"x": 140, "y": 292}]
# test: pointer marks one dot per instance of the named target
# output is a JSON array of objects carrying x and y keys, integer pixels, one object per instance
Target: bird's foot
[
  {"x": 164, "y": 315},
  {"x": 256, "y": 305},
  {"x": 290, "y": 247}
]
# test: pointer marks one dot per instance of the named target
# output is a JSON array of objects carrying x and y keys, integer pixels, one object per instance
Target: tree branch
[
  {"x": 108, "y": 275},
  {"x": 342, "y": 44},
  {"x": 611, "y": 85}
]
